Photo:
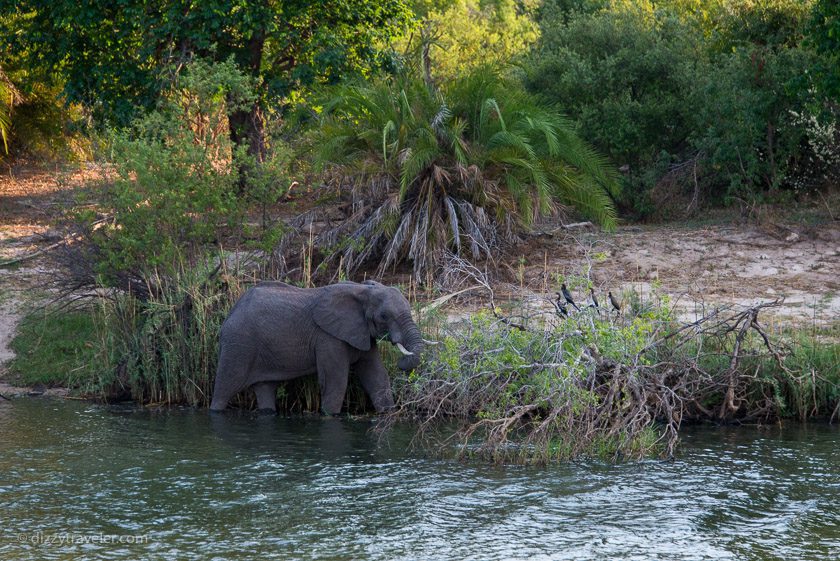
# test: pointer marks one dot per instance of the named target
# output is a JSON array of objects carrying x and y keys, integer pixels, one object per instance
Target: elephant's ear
[{"x": 341, "y": 313}]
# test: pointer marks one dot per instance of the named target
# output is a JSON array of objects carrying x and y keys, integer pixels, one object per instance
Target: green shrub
[
  {"x": 623, "y": 75},
  {"x": 745, "y": 109},
  {"x": 175, "y": 181},
  {"x": 599, "y": 383},
  {"x": 552, "y": 388},
  {"x": 719, "y": 86}
]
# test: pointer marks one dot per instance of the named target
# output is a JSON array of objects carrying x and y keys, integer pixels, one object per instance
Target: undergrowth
[{"x": 519, "y": 384}]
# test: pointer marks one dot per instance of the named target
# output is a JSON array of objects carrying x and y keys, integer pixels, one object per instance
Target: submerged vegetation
[{"x": 536, "y": 386}]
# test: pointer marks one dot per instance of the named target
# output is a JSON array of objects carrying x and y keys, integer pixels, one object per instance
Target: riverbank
[{"x": 761, "y": 299}]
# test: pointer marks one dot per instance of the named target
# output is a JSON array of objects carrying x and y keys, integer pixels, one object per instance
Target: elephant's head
[{"x": 359, "y": 312}]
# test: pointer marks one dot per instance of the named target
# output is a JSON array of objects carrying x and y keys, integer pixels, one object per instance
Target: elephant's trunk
[{"x": 410, "y": 345}]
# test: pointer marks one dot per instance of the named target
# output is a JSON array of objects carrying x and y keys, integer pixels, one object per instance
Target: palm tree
[
  {"x": 461, "y": 168},
  {"x": 9, "y": 97}
]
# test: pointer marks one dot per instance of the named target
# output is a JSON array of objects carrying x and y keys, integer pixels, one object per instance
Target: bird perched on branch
[
  {"x": 613, "y": 301},
  {"x": 560, "y": 306},
  {"x": 567, "y": 296},
  {"x": 594, "y": 300}
]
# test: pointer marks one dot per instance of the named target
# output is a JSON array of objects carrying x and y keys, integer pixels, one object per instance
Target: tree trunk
[
  {"x": 426, "y": 56},
  {"x": 247, "y": 126}
]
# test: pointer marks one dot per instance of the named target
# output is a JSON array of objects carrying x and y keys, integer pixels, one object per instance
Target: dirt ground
[
  {"x": 699, "y": 265},
  {"x": 31, "y": 202}
]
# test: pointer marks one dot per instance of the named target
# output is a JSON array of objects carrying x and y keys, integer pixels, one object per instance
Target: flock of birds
[{"x": 564, "y": 298}]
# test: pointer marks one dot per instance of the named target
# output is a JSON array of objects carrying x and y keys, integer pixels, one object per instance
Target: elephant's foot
[
  {"x": 266, "y": 393},
  {"x": 217, "y": 406}
]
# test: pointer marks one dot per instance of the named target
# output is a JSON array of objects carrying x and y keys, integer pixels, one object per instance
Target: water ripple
[{"x": 238, "y": 487}]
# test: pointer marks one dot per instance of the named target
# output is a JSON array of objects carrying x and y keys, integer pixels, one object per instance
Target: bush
[
  {"x": 463, "y": 35},
  {"x": 176, "y": 182},
  {"x": 745, "y": 107},
  {"x": 716, "y": 88},
  {"x": 598, "y": 383},
  {"x": 623, "y": 75}
]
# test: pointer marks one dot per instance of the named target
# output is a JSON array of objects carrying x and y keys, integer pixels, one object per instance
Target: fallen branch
[
  {"x": 33, "y": 254},
  {"x": 552, "y": 394}
]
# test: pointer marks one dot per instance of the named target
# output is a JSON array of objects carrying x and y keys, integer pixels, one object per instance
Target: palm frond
[{"x": 460, "y": 169}]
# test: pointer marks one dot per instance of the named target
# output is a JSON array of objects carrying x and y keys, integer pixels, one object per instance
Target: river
[{"x": 87, "y": 481}]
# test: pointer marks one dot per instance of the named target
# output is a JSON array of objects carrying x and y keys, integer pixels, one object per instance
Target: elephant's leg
[
  {"x": 374, "y": 378},
  {"x": 333, "y": 370},
  {"x": 224, "y": 390},
  {"x": 231, "y": 378},
  {"x": 266, "y": 393}
]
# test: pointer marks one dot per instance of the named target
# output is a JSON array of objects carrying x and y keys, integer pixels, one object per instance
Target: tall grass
[{"x": 164, "y": 349}]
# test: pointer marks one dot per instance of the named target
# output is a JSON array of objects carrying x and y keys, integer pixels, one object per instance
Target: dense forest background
[{"x": 452, "y": 124}]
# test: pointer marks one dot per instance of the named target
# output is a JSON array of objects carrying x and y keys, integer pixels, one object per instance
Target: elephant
[{"x": 278, "y": 332}]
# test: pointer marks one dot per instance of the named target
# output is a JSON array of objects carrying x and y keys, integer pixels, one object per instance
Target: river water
[{"x": 86, "y": 481}]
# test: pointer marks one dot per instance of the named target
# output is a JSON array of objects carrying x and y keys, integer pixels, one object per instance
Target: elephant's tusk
[
  {"x": 403, "y": 350},
  {"x": 428, "y": 342}
]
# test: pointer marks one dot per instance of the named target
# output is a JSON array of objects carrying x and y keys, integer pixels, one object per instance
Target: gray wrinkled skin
[{"x": 278, "y": 332}]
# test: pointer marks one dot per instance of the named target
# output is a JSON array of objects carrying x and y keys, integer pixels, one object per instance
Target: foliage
[
  {"x": 715, "y": 88},
  {"x": 44, "y": 126},
  {"x": 463, "y": 35},
  {"x": 460, "y": 167},
  {"x": 745, "y": 112},
  {"x": 5, "y": 114},
  {"x": 115, "y": 58},
  {"x": 54, "y": 347},
  {"x": 175, "y": 180},
  {"x": 163, "y": 350},
  {"x": 823, "y": 34},
  {"x": 624, "y": 75},
  {"x": 603, "y": 384}
]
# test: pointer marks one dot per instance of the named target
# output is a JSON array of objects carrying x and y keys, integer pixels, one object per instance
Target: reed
[{"x": 164, "y": 349}]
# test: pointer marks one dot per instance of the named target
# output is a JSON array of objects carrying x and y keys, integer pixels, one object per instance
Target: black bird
[
  {"x": 614, "y": 302},
  {"x": 568, "y": 296},
  {"x": 561, "y": 307},
  {"x": 594, "y": 300}
]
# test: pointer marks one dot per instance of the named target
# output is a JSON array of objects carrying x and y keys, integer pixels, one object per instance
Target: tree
[
  {"x": 824, "y": 35},
  {"x": 463, "y": 167},
  {"x": 715, "y": 87},
  {"x": 117, "y": 57},
  {"x": 457, "y": 36}
]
